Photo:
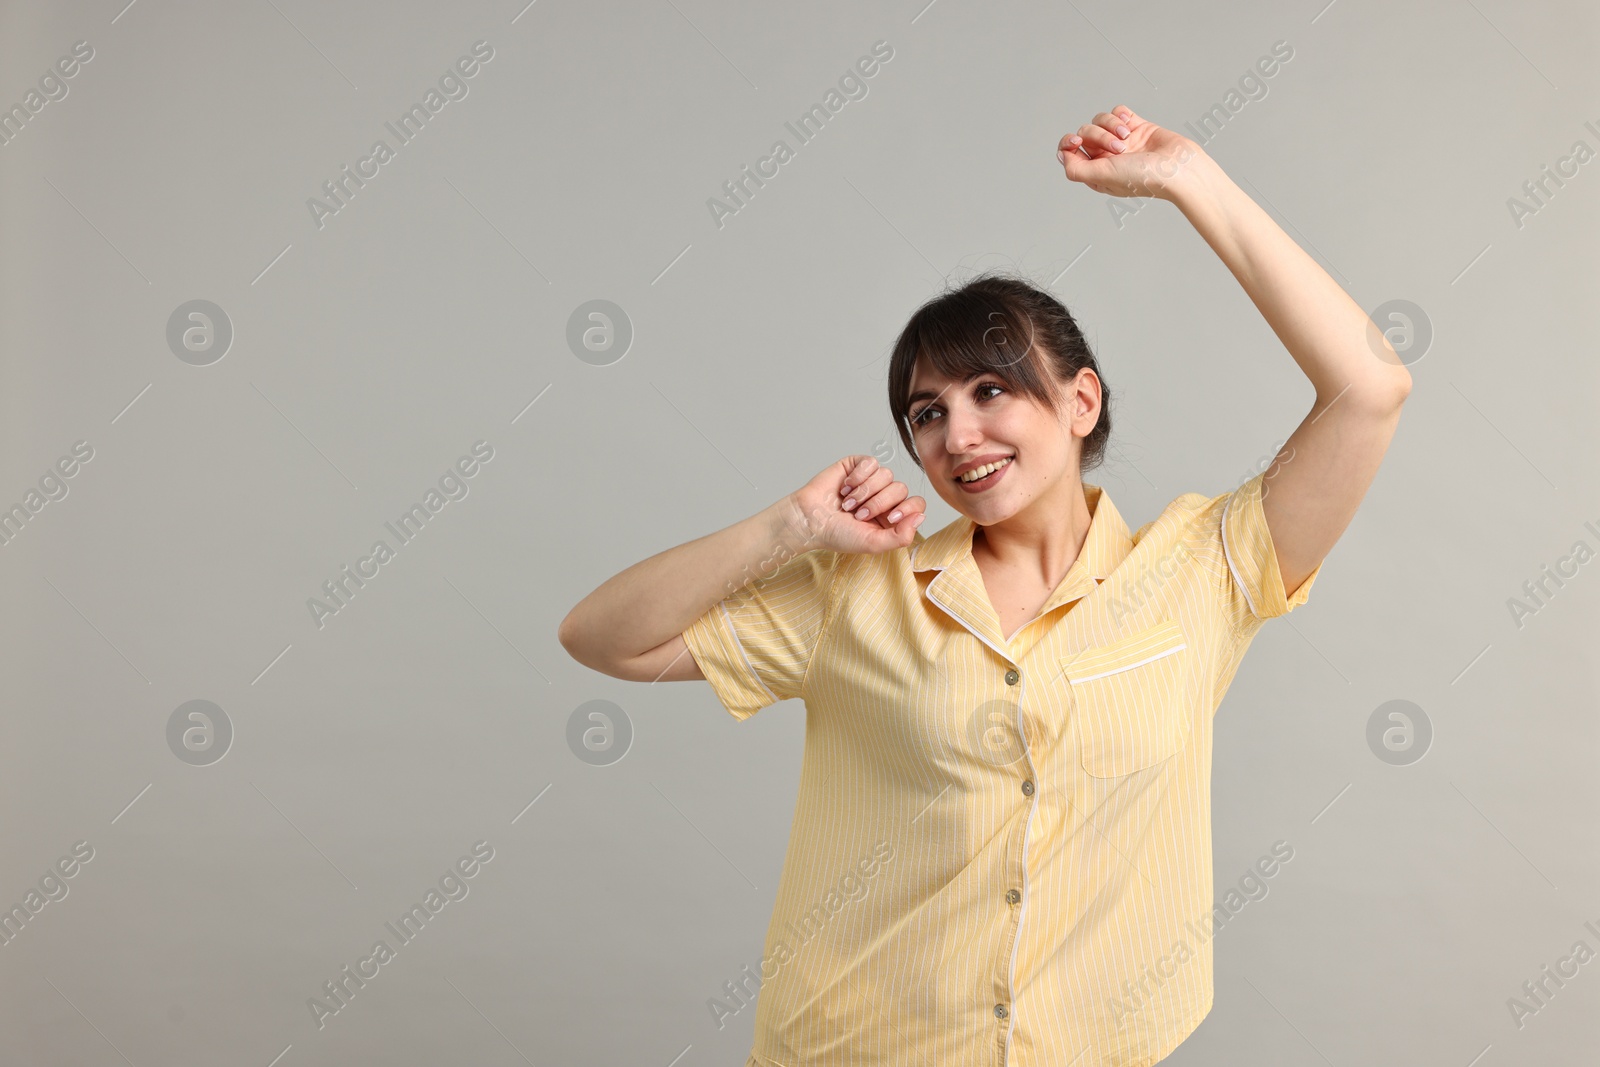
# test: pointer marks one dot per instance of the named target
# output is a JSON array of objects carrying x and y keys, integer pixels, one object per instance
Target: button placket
[{"x": 1018, "y": 864}]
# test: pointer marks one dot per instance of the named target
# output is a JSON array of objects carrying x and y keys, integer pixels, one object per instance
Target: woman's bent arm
[{"x": 631, "y": 626}]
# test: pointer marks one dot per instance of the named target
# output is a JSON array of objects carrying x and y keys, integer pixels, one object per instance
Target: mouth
[{"x": 985, "y": 477}]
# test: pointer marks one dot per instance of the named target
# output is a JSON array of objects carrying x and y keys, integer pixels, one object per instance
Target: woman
[{"x": 1001, "y": 848}]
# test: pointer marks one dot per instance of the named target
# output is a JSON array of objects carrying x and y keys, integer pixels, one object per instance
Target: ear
[{"x": 1086, "y": 397}]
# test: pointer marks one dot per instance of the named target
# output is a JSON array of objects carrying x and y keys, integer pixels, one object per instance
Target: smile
[{"x": 981, "y": 478}]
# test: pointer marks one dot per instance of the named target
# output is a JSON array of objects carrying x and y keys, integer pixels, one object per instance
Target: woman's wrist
[
  {"x": 791, "y": 528},
  {"x": 1195, "y": 179},
  {"x": 782, "y": 533}
]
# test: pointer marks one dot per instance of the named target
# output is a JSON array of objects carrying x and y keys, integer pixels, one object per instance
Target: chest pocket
[{"x": 1129, "y": 700}]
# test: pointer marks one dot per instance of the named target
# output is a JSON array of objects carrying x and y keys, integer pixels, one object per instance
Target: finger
[
  {"x": 882, "y": 501},
  {"x": 1069, "y": 143},
  {"x": 911, "y": 505},
  {"x": 856, "y": 474},
  {"x": 1081, "y": 168},
  {"x": 896, "y": 536},
  {"x": 1099, "y": 137},
  {"x": 876, "y": 481},
  {"x": 1113, "y": 123}
]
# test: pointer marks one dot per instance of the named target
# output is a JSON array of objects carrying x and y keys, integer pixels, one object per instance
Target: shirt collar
[
  {"x": 1107, "y": 544},
  {"x": 958, "y": 587}
]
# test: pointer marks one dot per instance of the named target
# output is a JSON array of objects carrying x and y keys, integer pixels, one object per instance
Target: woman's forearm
[
  {"x": 1326, "y": 332},
  {"x": 657, "y": 598}
]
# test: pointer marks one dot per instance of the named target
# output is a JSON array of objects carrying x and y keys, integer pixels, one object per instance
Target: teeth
[{"x": 981, "y": 472}]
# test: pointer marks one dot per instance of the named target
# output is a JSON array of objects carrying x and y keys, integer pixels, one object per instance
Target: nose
[{"x": 961, "y": 429}]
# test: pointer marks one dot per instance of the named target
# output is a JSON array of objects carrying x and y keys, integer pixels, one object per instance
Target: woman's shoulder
[
  {"x": 1182, "y": 516},
  {"x": 1191, "y": 505}
]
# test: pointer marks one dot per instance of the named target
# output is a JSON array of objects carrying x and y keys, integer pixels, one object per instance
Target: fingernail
[
  {"x": 894, "y": 516},
  {"x": 917, "y": 521},
  {"x": 843, "y": 489},
  {"x": 848, "y": 504},
  {"x": 861, "y": 514}
]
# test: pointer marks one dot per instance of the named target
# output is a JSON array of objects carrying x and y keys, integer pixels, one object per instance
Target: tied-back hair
[{"x": 1001, "y": 325}]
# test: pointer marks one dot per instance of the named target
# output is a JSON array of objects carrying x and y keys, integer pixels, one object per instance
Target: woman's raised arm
[{"x": 1359, "y": 379}]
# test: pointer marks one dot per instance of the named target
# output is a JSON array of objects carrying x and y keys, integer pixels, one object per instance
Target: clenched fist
[
  {"x": 1123, "y": 154},
  {"x": 855, "y": 505}
]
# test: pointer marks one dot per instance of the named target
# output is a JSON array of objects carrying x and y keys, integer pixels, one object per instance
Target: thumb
[
  {"x": 900, "y": 535},
  {"x": 1079, "y": 167}
]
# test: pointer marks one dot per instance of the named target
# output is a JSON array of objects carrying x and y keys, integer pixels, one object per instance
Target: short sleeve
[
  {"x": 755, "y": 646},
  {"x": 1256, "y": 590}
]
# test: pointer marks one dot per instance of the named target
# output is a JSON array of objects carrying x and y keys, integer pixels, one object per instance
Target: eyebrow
[{"x": 927, "y": 394}]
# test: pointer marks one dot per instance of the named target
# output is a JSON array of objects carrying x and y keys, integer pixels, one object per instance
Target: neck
[{"x": 1042, "y": 540}]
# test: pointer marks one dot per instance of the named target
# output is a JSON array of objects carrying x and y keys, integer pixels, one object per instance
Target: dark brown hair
[{"x": 1001, "y": 325}]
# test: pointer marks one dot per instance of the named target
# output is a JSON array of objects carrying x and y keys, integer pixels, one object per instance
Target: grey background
[{"x": 368, "y": 355}]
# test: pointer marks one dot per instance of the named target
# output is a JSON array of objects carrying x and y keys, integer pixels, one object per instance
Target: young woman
[{"x": 1001, "y": 848}]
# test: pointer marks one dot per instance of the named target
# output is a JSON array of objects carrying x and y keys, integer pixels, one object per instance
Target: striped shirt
[{"x": 1001, "y": 849}]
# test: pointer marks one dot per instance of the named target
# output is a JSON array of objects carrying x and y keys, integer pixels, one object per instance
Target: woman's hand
[
  {"x": 855, "y": 505},
  {"x": 1121, "y": 154}
]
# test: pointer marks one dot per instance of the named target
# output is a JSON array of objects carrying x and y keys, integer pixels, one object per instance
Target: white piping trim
[
  {"x": 965, "y": 625},
  {"x": 744, "y": 655},
  {"x": 1245, "y": 589},
  {"x": 1128, "y": 666}
]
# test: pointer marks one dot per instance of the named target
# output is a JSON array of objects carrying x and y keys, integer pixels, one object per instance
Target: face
[{"x": 960, "y": 427}]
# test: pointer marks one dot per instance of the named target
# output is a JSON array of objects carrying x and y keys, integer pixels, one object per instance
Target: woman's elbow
[{"x": 572, "y": 637}]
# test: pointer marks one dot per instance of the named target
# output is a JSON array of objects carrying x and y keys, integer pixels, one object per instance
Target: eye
[{"x": 924, "y": 415}]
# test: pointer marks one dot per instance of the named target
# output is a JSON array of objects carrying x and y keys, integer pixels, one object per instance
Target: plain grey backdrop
[{"x": 233, "y": 456}]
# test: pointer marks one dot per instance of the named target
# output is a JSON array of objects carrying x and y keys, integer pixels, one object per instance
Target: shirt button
[
  {"x": 1011, "y": 677},
  {"x": 1012, "y": 896},
  {"x": 1000, "y": 1011},
  {"x": 1027, "y": 788}
]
